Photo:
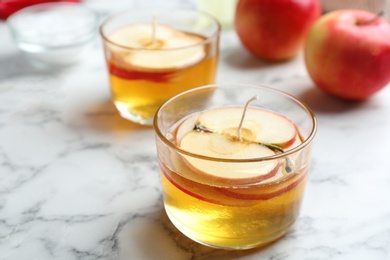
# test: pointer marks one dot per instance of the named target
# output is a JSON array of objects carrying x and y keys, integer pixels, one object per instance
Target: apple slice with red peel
[
  {"x": 215, "y": 172},
  {"x": 140, "y": 37},
  {"x": 290, "y": 163},
  {"x": 216, "y": 136},
  {"x": 202, "y": 192},
  {"x": 185, "y": 127},
  {"x": 268, "y": 190},
  {"x": 297, "y": 141},
  {"x": 180, "y": 163},
  {"x": 259, "y": 125}
]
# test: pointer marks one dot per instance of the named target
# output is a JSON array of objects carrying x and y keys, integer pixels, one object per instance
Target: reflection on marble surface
[{"x": 79, "y": 182}]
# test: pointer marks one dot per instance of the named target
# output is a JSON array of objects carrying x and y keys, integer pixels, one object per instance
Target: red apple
[
  {"x": 347, "y": 54},
  {"x": 275, "y": 29}
]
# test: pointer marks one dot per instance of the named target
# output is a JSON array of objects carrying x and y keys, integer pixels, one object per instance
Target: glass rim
[
  {"x": 210, "y": 38},
  {"x": 294, "y": 150}
]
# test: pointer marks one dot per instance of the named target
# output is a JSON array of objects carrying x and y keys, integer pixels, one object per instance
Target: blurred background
[{"x": 223, "y": 9}]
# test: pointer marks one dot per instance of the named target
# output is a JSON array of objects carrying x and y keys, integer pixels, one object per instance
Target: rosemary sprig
[{"x": 200, "y": 128}]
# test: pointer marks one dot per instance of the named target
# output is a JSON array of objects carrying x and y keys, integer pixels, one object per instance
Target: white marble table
[{"x": 79, "y": 182}]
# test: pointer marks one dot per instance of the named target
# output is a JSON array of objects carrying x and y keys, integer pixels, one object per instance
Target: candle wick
[
  {"x": 153, "y": 37},
  {"x": 243, "y": 116}
]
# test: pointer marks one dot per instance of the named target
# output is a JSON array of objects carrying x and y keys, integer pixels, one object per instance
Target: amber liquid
[
  {"x": 230, "y": 217},
  {"x": 225, "y": 220},
  {"x": 138, "y": 92}
]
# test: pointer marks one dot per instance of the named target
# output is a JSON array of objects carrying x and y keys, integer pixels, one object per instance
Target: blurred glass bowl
[{"x": 53, "y": 35}]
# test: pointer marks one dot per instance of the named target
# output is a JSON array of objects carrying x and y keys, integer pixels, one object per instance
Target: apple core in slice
[{"x": 259, "y": 125}]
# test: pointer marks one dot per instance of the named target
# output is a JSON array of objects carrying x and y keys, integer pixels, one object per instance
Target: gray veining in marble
[{"x": 79, "y": 182}]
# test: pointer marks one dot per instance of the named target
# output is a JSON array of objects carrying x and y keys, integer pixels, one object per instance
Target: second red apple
[
  {"x": 275, "y": 29},
  {"x": 347, "y": 54}
]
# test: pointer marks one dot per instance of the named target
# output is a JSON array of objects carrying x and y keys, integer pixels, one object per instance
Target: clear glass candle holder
[
  {"x": 220, "y": 200},
  {"x": 54, "y": 35}
]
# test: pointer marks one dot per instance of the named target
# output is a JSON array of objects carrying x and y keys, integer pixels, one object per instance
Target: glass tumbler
[
  {"x": 219, "y": 188},
  {"x": 153, "y": 55}
]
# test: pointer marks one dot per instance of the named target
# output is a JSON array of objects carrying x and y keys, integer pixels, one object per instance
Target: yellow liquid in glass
[
  {"x": 222, "y": 217},
  {"x": 144, "y": 91},
  {"x": 138, "y": 92}
]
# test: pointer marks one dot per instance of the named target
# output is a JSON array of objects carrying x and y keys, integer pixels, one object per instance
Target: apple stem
[
  {"x": 243, "y": 116},
  {"x": 373, "y": 20}
]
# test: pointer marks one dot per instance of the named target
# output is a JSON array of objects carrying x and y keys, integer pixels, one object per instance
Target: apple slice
[
  {"x": 219, "y": 146},
  {"x": 202, "y": 192},
  {"x": 297, "y": 141},
  {"x": 268, "y": 190},
  {"x": 292, "y": 162},
  {"x": 186, "y": 126},
  {"x": 259, "y": 125},
  {"x": 139, "y": 43},
  {"x": 216, "y": 137}
]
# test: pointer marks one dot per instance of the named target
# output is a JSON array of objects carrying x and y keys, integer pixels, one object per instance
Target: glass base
[
  {"x": 226, "y": 243},
  {"x": 136, "y": 118}
]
